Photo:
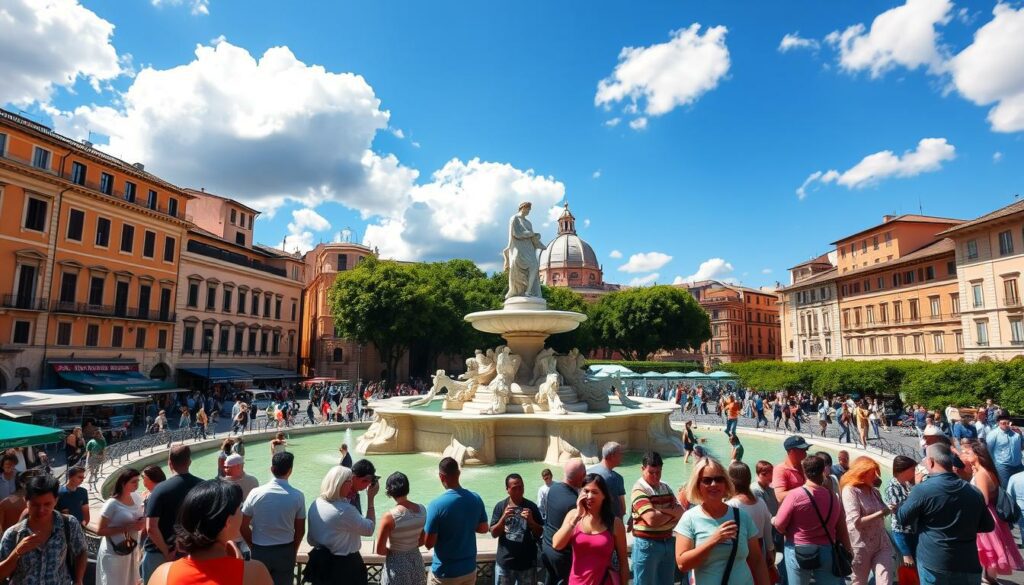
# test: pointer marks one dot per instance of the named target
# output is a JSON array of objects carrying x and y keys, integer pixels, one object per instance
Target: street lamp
[{"x": 209, "y": 359}]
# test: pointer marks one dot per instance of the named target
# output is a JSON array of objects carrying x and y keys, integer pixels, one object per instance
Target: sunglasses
[{"x": 710, "y": 481}]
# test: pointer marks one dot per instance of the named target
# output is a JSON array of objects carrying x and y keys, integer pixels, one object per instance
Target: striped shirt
[{"x": 644, "y": 498}]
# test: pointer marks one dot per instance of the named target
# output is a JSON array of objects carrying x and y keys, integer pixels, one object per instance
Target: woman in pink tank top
[{"x": 593, "y": 532}]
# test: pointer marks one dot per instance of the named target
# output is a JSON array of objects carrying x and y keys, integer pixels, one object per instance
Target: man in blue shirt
[
  {"x": 1015, "y": 489},
  {"x": 453, "y": 520},
  {"x": 1005, "y": 444},
  {"x": 964, "y": 429},
  {"x": 948, "y": 513}
]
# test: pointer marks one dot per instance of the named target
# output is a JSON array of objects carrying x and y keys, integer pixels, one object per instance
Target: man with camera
[{"x": 516, "y": 523}]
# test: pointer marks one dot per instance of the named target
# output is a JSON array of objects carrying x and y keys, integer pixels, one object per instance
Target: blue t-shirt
[
  {"x": 453, "y": 517},
  {"x": 1004, "y": 446},
  {"x": 698, "y": 527},
  {"x": 962, "y": 431},
  {"x": 71, "y": 503}
]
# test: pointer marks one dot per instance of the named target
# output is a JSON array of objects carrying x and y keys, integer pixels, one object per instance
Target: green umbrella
[{"x": 16, "y": 434}]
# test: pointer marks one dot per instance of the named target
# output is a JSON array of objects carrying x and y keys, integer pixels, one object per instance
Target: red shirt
[{"x": 786, "y": 477}]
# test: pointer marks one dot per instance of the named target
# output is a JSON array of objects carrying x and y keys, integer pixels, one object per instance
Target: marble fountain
[{"x": 521, "y": 400}]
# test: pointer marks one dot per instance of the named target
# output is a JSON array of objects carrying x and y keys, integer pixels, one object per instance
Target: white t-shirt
[
  {"x": 758, "y": 512},
  {"x": 119, "y": 514}
]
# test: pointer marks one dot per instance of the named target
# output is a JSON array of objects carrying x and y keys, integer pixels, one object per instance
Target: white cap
[{"x": 234, "y": 459}]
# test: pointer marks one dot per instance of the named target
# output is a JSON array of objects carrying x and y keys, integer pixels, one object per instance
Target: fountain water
[{"x": 520, "y": 399}]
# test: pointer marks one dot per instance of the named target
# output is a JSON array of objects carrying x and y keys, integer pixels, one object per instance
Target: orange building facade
[{"x": 93, "y": 244}]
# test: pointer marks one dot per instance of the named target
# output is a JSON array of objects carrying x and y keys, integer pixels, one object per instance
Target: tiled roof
[
  {"x": 201, "y": 193},
  {"x": 1015, "y": 207},
  {"x": 818, "y": 278},
  {"x": 823, "y": 259},
  {"x": 906, "y": 217}
]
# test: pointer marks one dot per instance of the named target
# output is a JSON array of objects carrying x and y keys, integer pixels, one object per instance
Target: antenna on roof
[{"x": 920, "y": 208}]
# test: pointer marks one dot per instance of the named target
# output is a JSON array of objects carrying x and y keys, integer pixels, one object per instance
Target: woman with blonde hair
[
  {"x": 335, "y": 530},
  {"x": 718, "y": 542},
  {"x": 865, "y": 521}
]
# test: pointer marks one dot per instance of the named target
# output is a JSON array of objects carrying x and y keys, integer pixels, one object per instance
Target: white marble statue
[
  {"x": 547, "y": 395},
  {"x": 520, "y": 257},
  {"x": 457, "y": 390},
  {"x": 544, "y": 365},
  {"x": 504, "y": 382},
  {"x": 623, "y": 399},
  {"x": 593, "y": 392}
]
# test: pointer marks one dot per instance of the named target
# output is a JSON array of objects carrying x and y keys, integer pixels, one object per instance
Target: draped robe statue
[{"x": 520, "y": 257}]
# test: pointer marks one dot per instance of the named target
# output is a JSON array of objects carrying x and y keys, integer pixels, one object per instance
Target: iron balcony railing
[
  {"x": 232, "y": 257},
  {"x": 25, "y": 302},
  {"x": 123, "y": 312}
]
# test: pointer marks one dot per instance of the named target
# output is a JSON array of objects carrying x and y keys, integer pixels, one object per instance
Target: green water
[{"x": 314, "y": 453}]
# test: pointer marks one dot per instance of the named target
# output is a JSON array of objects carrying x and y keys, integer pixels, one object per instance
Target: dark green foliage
[{"x": 639, "y": 321}]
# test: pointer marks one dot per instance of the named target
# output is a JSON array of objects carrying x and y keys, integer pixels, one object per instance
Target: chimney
[
  {"x": 888, "y": 218},
  {"x": 86, "y": 144},
  {"x": 139, "y": 166}
]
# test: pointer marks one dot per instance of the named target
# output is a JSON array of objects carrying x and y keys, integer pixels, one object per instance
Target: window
[
  {"x": 883, "y": 312},
  {"x": 208, "y": 339},
  {"x": 900, "y": 348},
  {"x": 129, "y": 191},
  {"x": 938, "y": 342},
  {"x": 871, "y": 346},
  {"x": 979, "y": 296},
  {"x": 188, "y": 340},
  {"x": 92, "y": 335},
  {"x": 107, "y": 183},
  {"x": 226, "y": 305},
  {"x": 239, "y": 334},
  {"x": 929, "y": 273},
  {"x": 255, "y": 304},
  {"x": 68, "y": 287},
  {"x": 152, "y": 200},
  {"x": 78, "y": 173},
  {"x": 917, "y": 343},
  {"x": 193, "y": 294},
  {"x": 250, "y": 222},
  {"x": 982, "y": 328},
  {"x": 293, "y": 311},
  {"x": 914, "y": 314},
  {"x": 211, "y": 297},
  {"x": 140, "y": 338},
  {"x": 172, "y": 206},
  {"x": 874, "y": 246},
  {"x": 242, "y": 222},
  {"x": 935, "y": 306},
  {"x": 96, "y": 290},
  {"x": 1016, "y": 331},
  {"x": 1010, "y": 291},
  {"x": 63, "y": 333},
  {"x": 117, "y": 336},
  {"x": 897, "y": 311},
  {"x": 35, "y": 215},
  {"x": 41, "y": 158},
  {"x": 22, "y": 331},
  {"x": 102, "y": 232},
  {"x": 241, "y": 302},
  {"x": 240, "y": 238},
  {"x": 958, "y": 337},
  {"x": 828, "y": 345},
  {"x": 266, "y": 307},
  {"x": 864, "y": 248},
  {"x": 888, "y": 239},
  {"x": 896, "y": 280},
  {"x": 951, "y": 268},
  {"x": 277, "y": 309},
  {"x": 870, "y": 310},
  {"x": 972, "y": 249},
  {"x": 234, "y": 216},
  {"x": 3, "y": 144},
  {"x": 885, "y": 345},
  {"x": 1005, "y": 243},
  {"x": 169, "y": 244},
  {"x": 165, "y": 304},
  {"x": 222, "y": 344},
  {"x": 881, "y": 282},
  {"x": 148, "y": 244},
  {"x": 76, "y": 221},
  {"x": 908, "y": 277},
  {"x": 145, "y": 293},
  {"x": 121, "y": 298},
  {"x": 342, "y": 262},
  {"x": 954, "y": 301},
  {"x": 127, "y": 238},
  {"x": 252, "y": 341},
  {"x": 161, "y": 339}
]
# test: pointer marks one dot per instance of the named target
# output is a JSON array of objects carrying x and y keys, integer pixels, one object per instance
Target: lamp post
[{"x": 209, "y": 359}]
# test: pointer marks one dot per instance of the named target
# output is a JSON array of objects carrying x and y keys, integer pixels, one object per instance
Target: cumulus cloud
[
  {"x": 997, "y": 156},
  {"x": 397, "y": 133},
  {"x": 463, "y": 212},
  {"x": 903, "y": 36},
  {"x": 612, "y": 122},
  {"x": 667, "y": 75},
  {"x": 615, "y": 254},
  {"x": 644, "y": 280},
  {"x": 596, "y": 174},
  {"x": 302, "y": 229},
  {"x": 50, "y": 44},
  {"x": 927, "y": 157},
  {"x": 638, "y": 123},
  {"x": 264, "y": 130},
  {"x": 196, "y": 7},
  {"x": 794, "y": 41},
  {"x": 645, "y": 262},
  {"x": 710, "y": 269},
  {"x": 988, "y": 71}
]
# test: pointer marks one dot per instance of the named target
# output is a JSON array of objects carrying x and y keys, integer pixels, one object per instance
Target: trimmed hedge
[
  {"x": 935, "y": 384},
  {"x": 641, "y": 367}
]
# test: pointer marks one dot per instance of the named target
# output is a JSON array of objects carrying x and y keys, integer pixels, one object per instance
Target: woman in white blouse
[
  {"x": 121, "y": 519},
  {"x": 336, "y": 527}
]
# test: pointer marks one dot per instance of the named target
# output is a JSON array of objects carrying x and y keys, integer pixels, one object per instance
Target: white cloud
[
  {"x": 795, "y": 41},
  {"x": 766, "y": 271},
  {"x": 596, "y": 174},
  {"x": 612, "y": 122},
  {"x": 927, "y": 157},
  {"x": 644, "y": 280},
  {"x": 195, "y": 6},
  {"x": 988, "y": 71},
  {"x": 902, "y": 36},
  {"x": 615, "y": 254},
  {"x": 586, "y": 222},
  {"x": 301, "y": 230},
  {"x": 463, "y": 212},
  {"x": 667, "y": 75},
  {"x": 49, "y": 44},
  {"x": 308, "y": 132},
  {"x": 638, "y": 123},
  {"x": 217, "y": 40},
  {"x": 397, "y": 132},
  {"x": 645, "y": 262},
  {"x": 710, "y": 269},
  {"x": 997, "y": 156}
]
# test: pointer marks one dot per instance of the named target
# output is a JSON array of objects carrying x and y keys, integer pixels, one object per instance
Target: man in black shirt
[
  {"x": 162, "y": 511},
  {"x": 516, "y": 523},
  {"x": 561, "y": 498}
]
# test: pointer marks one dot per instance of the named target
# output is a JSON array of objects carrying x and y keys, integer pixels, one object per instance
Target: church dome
[{"x": 568, "y": 250}]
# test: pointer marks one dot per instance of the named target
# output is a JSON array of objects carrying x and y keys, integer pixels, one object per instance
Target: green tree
[
  {"x": 637, "y": 322},
  {"x": 562, "y": 298}
]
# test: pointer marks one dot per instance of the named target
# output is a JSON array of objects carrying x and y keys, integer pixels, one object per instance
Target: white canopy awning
[{"x": 19, "y": 404}]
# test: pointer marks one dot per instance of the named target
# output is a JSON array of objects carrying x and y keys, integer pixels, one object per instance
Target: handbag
[
  {"x": 1006, "y": 507},
  {"x": 125, "y": 547},
  {"x": 842, "y": 560},
  {"x": 735, "y": 546}
]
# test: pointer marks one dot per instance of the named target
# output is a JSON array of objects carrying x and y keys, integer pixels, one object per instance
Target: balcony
[
  {"x": 117, "y": 311},
  {"x": 233, "y": 257},
  {"x": 24, "y": 303}
]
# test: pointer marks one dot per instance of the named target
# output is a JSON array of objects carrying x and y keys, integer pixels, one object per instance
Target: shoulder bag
[
  {"x": 842, "y": 560},
  {"x": 735, "y": 546},
  {"x": 1006, "y": 507}
]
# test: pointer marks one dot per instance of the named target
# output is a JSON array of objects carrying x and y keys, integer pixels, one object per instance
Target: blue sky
[{"x": 454, "y": 111}]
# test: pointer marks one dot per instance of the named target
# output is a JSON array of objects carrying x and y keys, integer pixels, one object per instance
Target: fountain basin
[
  {"x": 475, "y": 439},
  {"x": 521, "y": 321}
]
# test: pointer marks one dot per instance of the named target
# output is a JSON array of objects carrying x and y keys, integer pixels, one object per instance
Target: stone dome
[{"x": 568, "y": 249}]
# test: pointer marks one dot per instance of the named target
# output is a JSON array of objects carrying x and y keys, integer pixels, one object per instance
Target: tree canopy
[{"x": 637, "y": 322}]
